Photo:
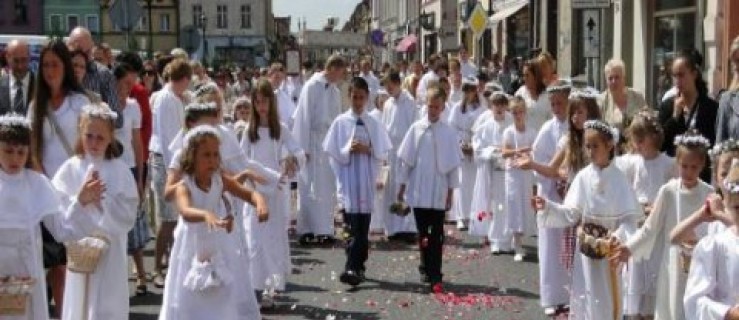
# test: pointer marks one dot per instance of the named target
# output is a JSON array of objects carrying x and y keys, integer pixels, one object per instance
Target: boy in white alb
[
  {"x": 429, "y": 172},
  {"x": 356, "y": 144}
]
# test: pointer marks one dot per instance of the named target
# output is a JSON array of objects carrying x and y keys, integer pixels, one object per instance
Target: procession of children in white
[{"x": 624, "y": 231}]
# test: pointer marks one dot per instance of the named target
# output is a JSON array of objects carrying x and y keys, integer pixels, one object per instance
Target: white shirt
[
  {"x": 468, "y": 69},
  {"x": 13, "y": 88},
  {"x": 374, "y": 86},
  {"x": 285, "y": 107},
  {"x": 131, "y": 121},
  {"x": 169, "y": 117},
  {"x": 67, "y": 116}
]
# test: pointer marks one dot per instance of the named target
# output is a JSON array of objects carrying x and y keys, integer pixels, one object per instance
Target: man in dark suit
[{"x": 17, "y": 87}]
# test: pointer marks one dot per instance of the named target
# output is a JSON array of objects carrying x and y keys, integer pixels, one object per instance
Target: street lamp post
[{"x": 203, "y": 23}]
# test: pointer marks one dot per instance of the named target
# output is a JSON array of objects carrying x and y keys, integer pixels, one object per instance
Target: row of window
[
  {"x": 57, "y": 23},
  {"x": 221, "y": 16}
]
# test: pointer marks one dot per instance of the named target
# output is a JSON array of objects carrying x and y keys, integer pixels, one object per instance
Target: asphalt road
[{"x": 477, "y": 285}]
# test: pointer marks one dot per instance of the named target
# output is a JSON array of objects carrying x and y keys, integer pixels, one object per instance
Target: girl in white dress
[
  {"x": 601, "y": 202},
  {"x": 269, "y": 142},
  {"x": 517, "y": 140},
  {"x": 209, "y": 252},
  {"x": 488, "y": 201},
  {"x": 674, "y": 201},
  {"x": 95, "y": 182},
  {"x": 462, "y": 118},
  {"x": 20, "y": 254},
  {"x": 712, "y": 290},
  {"x": 711, "y": 218},
  {"x": 647, "y": 169}
]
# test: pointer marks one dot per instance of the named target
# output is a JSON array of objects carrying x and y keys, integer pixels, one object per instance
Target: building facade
[
  {"x": 318, "y": 45},
  {"x": 398, "y": 20},
  {"x": 237, "y": 32},
  {"x": 21, "y": 17},
  {"x": 647, "y": 35},
  {"x": 157, "y": 30},
  {"x": 439, "y": 27}
]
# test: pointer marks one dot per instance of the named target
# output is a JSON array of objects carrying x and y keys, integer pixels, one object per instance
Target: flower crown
[
  {"x": 14, "y": 120},
  {"x": 471, "y": 81},
  {"x": 732, "y": 186},
  {"x": 559, "y": 86},
  {"x": 99, "y": 111},
  {"x": 651, "y": 117},
  {"x": 196, "y": 106},
  {"x": 206, "y": 88},
  {"x": 724, "y": 147},
  {"x": 692, "y": 140},
  {"x": 584, "y": 93},
  {"x": 199, "y": 131},
  {"x": 603, "y": 128}
]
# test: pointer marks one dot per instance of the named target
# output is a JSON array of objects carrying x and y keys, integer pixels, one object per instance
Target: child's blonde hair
[
  {"x": 516, "y": 103},
  {"x": 193, "y": 139},
  {"x": 99, "y": 111}
]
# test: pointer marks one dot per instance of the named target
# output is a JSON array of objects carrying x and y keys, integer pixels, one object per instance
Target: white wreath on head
[
  {"x": 692, "y": 140},
  {"x": 584, "y": 93},
  {"x": 198, "y": 131},
  {"x": 99, "y": 111},
  {"x": 602, "y": 127},
  {"x": 14, "y": 120},
  {"x": 196, "y": 106}
]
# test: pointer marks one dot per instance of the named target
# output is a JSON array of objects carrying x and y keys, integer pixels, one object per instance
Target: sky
[{"x": 315, "y": 11}]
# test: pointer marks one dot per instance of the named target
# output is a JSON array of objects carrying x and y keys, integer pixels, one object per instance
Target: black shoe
[
  {"x": 307, "y": 239},
  {"x": 361, "y": 275},
  {"x": 424, "y": 277},
  {"x": 326, "y": 240},
  {"x": 351, "y": 278},
  {"x": 410, "y": 238}
]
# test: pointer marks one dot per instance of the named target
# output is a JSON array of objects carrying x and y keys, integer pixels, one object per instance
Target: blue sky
[{"x": 315, "y": 11}]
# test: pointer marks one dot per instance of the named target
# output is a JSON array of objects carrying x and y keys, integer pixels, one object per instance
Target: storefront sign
[
  {"x": 591, "y": 33},
  {"x": 591, "y": 4},
  {"x": 478, "y": 20}
]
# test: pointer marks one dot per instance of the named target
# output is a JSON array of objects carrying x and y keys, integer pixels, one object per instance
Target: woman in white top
[
  {"x": 534, "y": 94},
  {"x": 54, "y": 114}
]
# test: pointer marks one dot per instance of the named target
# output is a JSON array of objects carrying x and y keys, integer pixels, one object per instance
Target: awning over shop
[
  {"x": 507, "y": 11},
  {"x": 407, "y": 44}
]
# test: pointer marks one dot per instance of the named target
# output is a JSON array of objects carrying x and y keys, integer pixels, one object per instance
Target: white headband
[
  {"x": 602, "y": 127},
  {"x": 732, "y": 187},
  {"x": 206, "y": 88},
  {"x": 100, "y": 111},
  {"x": 561, "y": 85},
  {"x": 692, "y": 140},
  {"x": 195, "y": 106},
  {"x": 14, "y": 120},
  {"x": 584, "y": 93},
  {"x": 198, "y": 131}
]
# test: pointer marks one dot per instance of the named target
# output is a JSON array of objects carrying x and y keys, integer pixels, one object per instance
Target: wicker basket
[
  {"x": 14, "y": 296},
  {"x": 82, "y": 258}
]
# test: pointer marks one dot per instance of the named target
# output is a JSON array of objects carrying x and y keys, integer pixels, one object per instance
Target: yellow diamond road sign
[{"x": 478, "y": 20}]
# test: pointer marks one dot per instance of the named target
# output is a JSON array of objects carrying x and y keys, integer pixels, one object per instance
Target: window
[
  {"x": 21, "y": 11},
  {"x": 164, "y": 22},
  {"x": 197, "y": 12},
  {"x": 55, "y": 24},
  {"x": 222, "y": 17},
  {"x": 92, "y": 23},
  {"x": 73, "y": 21},
  {"x": 143, "y": 23},
  {"x": 246, "y": 17}
]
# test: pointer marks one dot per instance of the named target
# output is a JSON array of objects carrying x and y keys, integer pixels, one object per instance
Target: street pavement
[{"x": 477, "y": 285}]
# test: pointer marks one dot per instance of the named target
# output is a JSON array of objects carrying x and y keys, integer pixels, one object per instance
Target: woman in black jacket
[{"x": 692, "y": 108}]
